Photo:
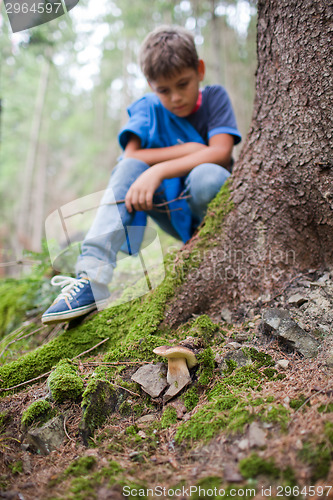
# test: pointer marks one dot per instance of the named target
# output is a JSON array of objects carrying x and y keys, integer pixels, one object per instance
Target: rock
[
  {"x": 297, "y": 300},
  {"x": 257, "y": 436},
  {"x": 231, "y": 474},
  {"x": 179, "y": 407},
  {"x": 49, "y": 437},
  {"x": 279, "y": 323},
  {"x": 99, "y": 401},
  {"x": 226, "y": 315},
  {"x": 243, "y": 444},
  {"x": 238, "y": 356},
  {"x": 152, "y": 378},
  {"x": 325, "y": 277},
  {"x": 145, "y": 419},
  {"x": 234, "y": 345},
  {"x": 175, "y": 388},
  {"x": 241, "y": 337},
  {"x": 282, "y": 363}
]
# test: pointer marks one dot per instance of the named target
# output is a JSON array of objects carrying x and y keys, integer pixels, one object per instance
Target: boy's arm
[
  {"x": 158, "y": 155},
  {"x": 140, "y": 194}
]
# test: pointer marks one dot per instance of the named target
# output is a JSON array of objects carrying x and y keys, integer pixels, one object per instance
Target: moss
[
  {"x": 259, "y": 358},
  {"x": 169, "y": 417},
  {"x": 253, "y": 466},
  {"x": 296, "y": 403},
  {"x": 190, "y": 398},
  {"x": 100, "y": 400},
  {"x": 207, "y": 365},
  {"x": 229, "y": 408},
  {"x": 275, "y": 414},
  {"x": 16, "y": 467},
  {"x": 64, "y": 383},
  {"x": 231, "y": 366},
  {"x": 319, "y": 454},
  {"x": 126, "y": 408},
  {"x": 38, "y": 412},
  {"x": 80, "y": 467},
  {"x": 217, "y": 210},
  {"x": 16, "y": 297},
  {"x": 131, "y": 430},
  {"x": 326, "y": 408},
  {"x": 203, "y": 328}
]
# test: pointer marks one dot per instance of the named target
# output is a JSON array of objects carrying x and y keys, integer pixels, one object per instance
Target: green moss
[
  {"x": 80, "y": 467},
  {"x": 16, "y": 297},
  {"x": 64, "y": 383},
  {"x": 169, "y": 417},
  {"x": 38, "y": 412},
  {"x": 327, "y": 408},
  {"x": 126, "y": 408},
  {"x": 319, "y": 455},
  {"x": 16, "y": 467},
  {"x": 217, "y": 210},
  {"x": 259, "y": 358},
  {"x": 229, "y": 408},
  {"x": 190, "y": 398},
  {"x": 207, "y": 365},
  {"x": 131, "y": 430},
  {"x": 253, "y": 466},
  {"x": 203, "y": 328},
  {"x": 296, "y": 403}
]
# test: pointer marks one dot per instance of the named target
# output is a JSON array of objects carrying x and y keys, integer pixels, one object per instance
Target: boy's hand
[{"x": 140, "y": 194}]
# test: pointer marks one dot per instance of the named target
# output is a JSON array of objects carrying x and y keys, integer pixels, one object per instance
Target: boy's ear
[{"x": 201, "y": 69}]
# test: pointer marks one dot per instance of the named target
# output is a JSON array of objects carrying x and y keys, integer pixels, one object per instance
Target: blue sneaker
[{"x": 76, "y": 299}]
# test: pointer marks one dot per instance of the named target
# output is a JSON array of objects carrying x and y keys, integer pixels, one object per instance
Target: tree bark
[{"x": 282, "y": 186}]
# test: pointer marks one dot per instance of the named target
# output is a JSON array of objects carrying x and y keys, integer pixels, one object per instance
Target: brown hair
[{"x": 166, "y": 51}]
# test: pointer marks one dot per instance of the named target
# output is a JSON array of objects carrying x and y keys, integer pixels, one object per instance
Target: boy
[{"x": 178, "y": 139}]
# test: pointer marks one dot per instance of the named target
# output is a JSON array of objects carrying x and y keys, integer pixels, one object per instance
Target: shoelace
[{"x": 70, "y": 286}]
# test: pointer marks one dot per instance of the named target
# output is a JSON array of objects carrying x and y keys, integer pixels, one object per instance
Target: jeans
[{"x": 109, "y": 229}]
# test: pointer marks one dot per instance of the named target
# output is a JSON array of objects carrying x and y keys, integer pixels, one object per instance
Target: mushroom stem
[{"x": 178, "y": 372}]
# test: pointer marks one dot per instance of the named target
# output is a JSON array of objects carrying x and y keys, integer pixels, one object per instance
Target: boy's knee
[{"x": 205, "y": 181}]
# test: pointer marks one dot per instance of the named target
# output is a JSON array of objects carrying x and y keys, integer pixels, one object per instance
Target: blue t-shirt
[{"x": 157, "y": 127}]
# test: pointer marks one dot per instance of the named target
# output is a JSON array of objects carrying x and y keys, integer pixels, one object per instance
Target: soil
[{"x": 29, "y": 476}]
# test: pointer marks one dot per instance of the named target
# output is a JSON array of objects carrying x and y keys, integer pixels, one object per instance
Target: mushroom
[{"x": 180, "y": 359}]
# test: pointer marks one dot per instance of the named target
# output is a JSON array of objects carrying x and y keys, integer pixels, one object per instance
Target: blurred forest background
[{"x": 65, "y": 87}]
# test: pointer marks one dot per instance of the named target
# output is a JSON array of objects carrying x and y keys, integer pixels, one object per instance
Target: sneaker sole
[{"x": 67, "y": 315}]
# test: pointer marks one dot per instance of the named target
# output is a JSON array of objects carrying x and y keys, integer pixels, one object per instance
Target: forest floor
[{"x": 282, "y": 446}]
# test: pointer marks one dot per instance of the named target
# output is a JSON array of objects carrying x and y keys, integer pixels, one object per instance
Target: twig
[
  {"x": 94, "y": 363},
  {"x": 48, "y": 373},
  {"x": 91, "y": 349},
  {"x": 18, "y": 262},
  {"x": 3, "y": 389},
  {"x": 310, "y": 397},
  {"x": 124, "y": 388},
  {"x": 118, "y": 202},
  {"x": 20, "y": 338},
  {"x": 66, "y": 430}
]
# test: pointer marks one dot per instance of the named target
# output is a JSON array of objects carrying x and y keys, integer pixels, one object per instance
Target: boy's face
[{"x": 179, "y": 93}]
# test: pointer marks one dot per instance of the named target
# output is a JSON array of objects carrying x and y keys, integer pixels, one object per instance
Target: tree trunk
[
  {"x": 23, "y": 239},
  {"x": 282, "y": 186}
]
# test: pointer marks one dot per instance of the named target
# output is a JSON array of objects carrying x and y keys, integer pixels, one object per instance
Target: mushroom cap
[{"x": 177, "y": 351}]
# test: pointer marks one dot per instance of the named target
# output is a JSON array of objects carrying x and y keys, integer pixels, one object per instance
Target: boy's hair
[{"x": 166, "y": 51}]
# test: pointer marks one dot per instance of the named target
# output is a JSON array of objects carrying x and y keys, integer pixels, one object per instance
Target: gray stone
[
  {"x": 231, "y": 474},
  {"x": 238, "y": 356},
  {"x": 257, "y": 436},
  {"x": 49, "y": 437},
  {"x": 279, "y": 323},
  {"x": 282, "y": 363},
  {"x": 226, "y": 315},
  {"x": 152, "y": 378},
  {"x": 297, "y": 300}
]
